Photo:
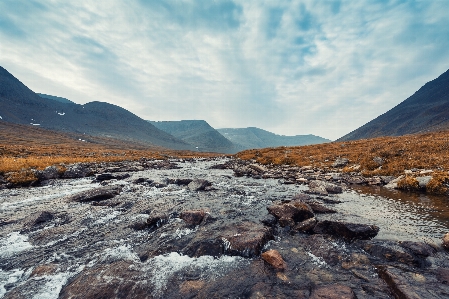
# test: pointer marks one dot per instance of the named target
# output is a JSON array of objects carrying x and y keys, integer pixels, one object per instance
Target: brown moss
[
  {"x": 408, "y": 183},
  {"x": 438, "y": 184},
  {"x": 23, "y": 178}
]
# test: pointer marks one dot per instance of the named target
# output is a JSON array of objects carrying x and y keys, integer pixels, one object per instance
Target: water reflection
[{"x": 400, "y": 215}]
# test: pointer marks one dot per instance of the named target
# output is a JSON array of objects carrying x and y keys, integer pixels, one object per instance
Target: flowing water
[{"x": 83, "y": 239}]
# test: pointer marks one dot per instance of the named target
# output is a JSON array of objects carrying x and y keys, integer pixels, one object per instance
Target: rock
[
  {"x": 320, "y": 187},
  {"x": 273, "y": 258},
  {"x": 357, "y": 180},
  {"x": 109, "y": 176},
  {"x": 305, "y": 226},
  {"x": 192, "y": 217},
  {"x": 198, "y": 185},
  {"x": 78, "y": 170},
  {"x": 397, "y": 282},
  {"x": 446, "y": 241},
  {"x": 269, "y": 220},
  {"x": 392, "y": 252},
  {"x": 340, "y": 162},
  {"x": 333, "y": 291},
  {"x": 179, "y": 181},
  {"x": 442, "y": 274},
  {"x": 379, "y": 161},
  {"x": 418, "y": 248},
  {"x": 349, "y": 231},
  {"x": 97, "y": 194},
  {"x": 258, "y": 168},
  {"x": 50, "y": 172},
  {"x": 374, "y": 181},
  {"x": 386, "y": 179},
  {"x": 320, "y": 209},
  {"x": 157, "y": 219},
  {"x": 393, "y": 184},
  {"x": 423, "y": 181},
  {"x": 42, "y": 218},
  {"x": 246, "y": 239},
  {"x": 290, "y": 213}
]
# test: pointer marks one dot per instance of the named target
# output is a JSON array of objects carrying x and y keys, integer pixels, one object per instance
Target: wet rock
[
  {"x": 324, "y": 188},
  {"x": 110, "y": 176},
  {"x": 334, "y": 291},
  {"x": 42, "y": 218},
  {"x": 198, "y": 185},
  {"x": 418, "y": 248},
  {"x": 246, "y": 239},
  {"x": 117, "y": 280},
  {"x": 78, "y": 170},
  {"x": 393, "y": 184},
  {"x": 193, "y": 217},
  {"x": 97, "y": 194},
  {"x": 269, "y": 220},
  {"x": 290, "y": 213},
  {"x": 340, "y": 162},
  {"x": 320, "y": 209},
  {"x": 158, "y": 185},
  {"x": 258, "y": 168},
  {"x": 205, "y": 245},
  {"x": 446, "y": 241},
  {"x": 442, "y": 274},
  {"x": 142, "y": 181},
  {"x": 356, "y": 261},
  {"x": 157, "y": 219},
  {"x": 349, "y": 231},
  {"x": 50, "y": 172},
  {"x": 391, "y": 252},
  {"x": 399, "y": 285},
  {"x": 179, "y": 181},
  {"x": 42, "y": 270},
  {"x": 273, "y": 258},
  {"x": 305, "y": 226}
]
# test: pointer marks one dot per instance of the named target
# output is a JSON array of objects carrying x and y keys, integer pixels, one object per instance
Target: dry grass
[{"x": 23, "y": 148}]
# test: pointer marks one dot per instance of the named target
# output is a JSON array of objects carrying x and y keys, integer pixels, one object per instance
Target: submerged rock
[
  {"x": 333, "y": 291},
  {"x": 97, "y": 194},
  {"x": 349, "y": 231},
  {"x": 290, "y": 213}
]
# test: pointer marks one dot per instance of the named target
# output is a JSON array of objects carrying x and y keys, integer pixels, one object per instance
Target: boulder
[
  {"x": 97, "y": 194},
  {"x": 245, "y": 239},
  {"x": 78, "y": 170},
  {"x": 333, "y": 291},
  {"x": 305, "y": 226},
  {"x": 273, "y": 258},
  {"x": 50, "y": 172},
  {"x": 446, "y": 241},
  {"x": 340, "y": 162},
  {"x": 391, "y": 252},
  {"x": 193, "y": 217},
  {"x": 109, "y": 176},
  {"x": 349, "y": 231},
  {"x": 420, "y": 249},
  {"x": 398, "y": 282},
  {"x": 157, "y": 219},
  {"x": 42, "y": 218},
  {"x": 198, "y": 185},
  {"x": 321, "y": 187},
  {"x": 320, "y": 209},
  {"x": 290, "y": 213},
  {"x": 393, "y": 184}
]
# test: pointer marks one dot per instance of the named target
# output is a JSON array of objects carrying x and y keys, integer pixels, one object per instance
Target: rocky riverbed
[{"x": 213, "y": 228}]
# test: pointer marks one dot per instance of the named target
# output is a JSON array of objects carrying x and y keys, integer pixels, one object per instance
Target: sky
[{"x": 290, "y": 67}]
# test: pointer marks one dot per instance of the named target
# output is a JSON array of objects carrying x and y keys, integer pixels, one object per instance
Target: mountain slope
[
  {"x": 199, "y": 134},
  {"x": 50, "y": 97},
  {"x": 18, "y": 104},
  {"x": 250, "y": 138},
  {"x": 426, "y": 110}
]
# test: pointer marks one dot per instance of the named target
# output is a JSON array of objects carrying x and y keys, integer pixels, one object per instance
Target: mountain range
[{"x": 426, "y": 110}]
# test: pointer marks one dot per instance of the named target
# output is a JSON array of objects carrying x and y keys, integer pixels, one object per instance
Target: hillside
[
  {"x": 427, "y": 110},
  {"x": 54, "y": 98},
  {"x": 250, "y": 138},
  {"x": 199, "y": 134},
  {"x": 19, "y": 104}
]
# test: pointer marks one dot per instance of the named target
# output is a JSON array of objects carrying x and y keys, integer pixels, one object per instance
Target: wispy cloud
[{"x": 293, "y": 67}]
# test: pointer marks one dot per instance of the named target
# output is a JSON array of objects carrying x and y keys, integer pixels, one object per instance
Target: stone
[
  {"x": 198, "y": 185},
  {"x": 321, "y": 187},
  {"x": 305, "y": 226},
  {"x": 333, "y": 291},
  {"x": 320, "y": 209},
  {"x": 393, "y": 184},
  {"x": 193, "y": 217},
  {"x": 50, "y": 172},
  {"x": 378, "y": 160},
  {"x": 273, "y": 258},
  {"x": 349, "y": 231},
  {"x": 442, "y": 274},
  {"x": 418, "y": 248},
  {"x": 258, "y": 168},
  {"x": 397, "y": 282},
  {"x": 340, "y": 162},
  {"x": 290, "y": 213},
  {"x": 157, "y": 219},
  {"x": 97, "y": 194},
  {"x": 78, "y": 170},
  {"x": 246, "y": 239},
  {"x": 109, "y": 176},
  {"x": 42, "y": 218},
  {"x": 391, "y": 252},
  {"x": 423, "y": 181},
  {"x": 446, "y": 241}
]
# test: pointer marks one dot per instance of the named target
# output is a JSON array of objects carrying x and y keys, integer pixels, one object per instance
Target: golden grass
[{"x": 23, "y": 148}]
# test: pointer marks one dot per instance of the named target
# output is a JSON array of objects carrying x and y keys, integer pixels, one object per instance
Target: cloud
[{"x": 292, "y": 67}]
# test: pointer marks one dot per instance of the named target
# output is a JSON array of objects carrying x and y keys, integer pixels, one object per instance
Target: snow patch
[
  {"x": 163, "y": 267},
  {"x": 1, "y": 117},
  {"x": 15, "y": 242},
  {"x": 35, "y": 124},
  {"x": 63, "y": 113}
]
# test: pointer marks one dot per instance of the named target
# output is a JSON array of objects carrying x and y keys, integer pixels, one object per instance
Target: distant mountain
[
  {"x": 59, "y": 99},
  {"x": 18, "y": 104},
  {"x": 199, "y": 134},
  {"x": 250, "y": 138},
  {"x": 425, "y": 111}
]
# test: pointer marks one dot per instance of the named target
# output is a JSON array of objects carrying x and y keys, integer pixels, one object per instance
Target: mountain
[
  {"x": 59, "y": 99},
  {"x": 20, "y": 105},
  {"x": 199, "y": 134},
  {"x": 250, "y": 138},
  {"x": 426, "y": 110}
]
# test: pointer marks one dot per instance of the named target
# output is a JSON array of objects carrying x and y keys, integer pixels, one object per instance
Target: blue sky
[{"x": 290, "y": 67}]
